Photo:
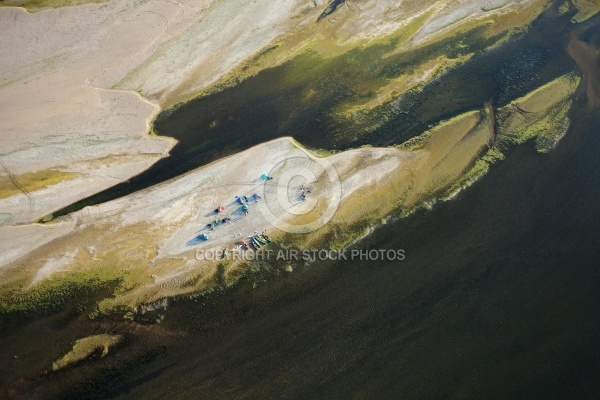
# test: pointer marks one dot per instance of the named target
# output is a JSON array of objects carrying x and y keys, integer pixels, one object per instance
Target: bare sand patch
[{"x": 56, "y": 105}]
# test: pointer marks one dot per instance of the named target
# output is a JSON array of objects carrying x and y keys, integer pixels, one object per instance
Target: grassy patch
[
  {"x": 541, "y": 115},
  {"x": 586, "y": 9},
  {"x": 85, "y": 348},
  {"x": 54, "y": 295},
  {"x": 31, "y": 181}
]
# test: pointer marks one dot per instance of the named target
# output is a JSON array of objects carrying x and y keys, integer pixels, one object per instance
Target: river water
[{"x": 497, "y": 298}]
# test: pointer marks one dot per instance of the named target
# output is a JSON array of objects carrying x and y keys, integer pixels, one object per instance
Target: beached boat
[{"x": 260, "y": 239}]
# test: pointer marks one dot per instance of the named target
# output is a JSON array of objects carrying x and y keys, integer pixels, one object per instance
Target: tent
[
  {"x": 244, "y": 208},
  {"x": 265, "y": 177},
  {"x": 221, "y": 209}
]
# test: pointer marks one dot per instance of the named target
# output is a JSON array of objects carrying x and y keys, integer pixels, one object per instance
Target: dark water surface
[{"x": 498, "y": 298}]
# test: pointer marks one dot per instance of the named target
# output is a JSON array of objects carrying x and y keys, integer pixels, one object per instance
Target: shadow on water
[{"x": 299, "y": 99}]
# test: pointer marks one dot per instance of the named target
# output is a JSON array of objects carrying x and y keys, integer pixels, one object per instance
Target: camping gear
[{"x": 203, "y": 236}]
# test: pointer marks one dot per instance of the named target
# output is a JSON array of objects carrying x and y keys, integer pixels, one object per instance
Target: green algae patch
[
  {"x": 80, "y": 291},
  {"x": 541, "y": 115},
  {"x": 456, "y": 125},
  {"x": 11, "y": 185},
  {"x": 586, "y": 10},
  {"x": 480, "y": 168},
  {"x": 86, "y": 347},
  {"x": 321, "y": 153}
]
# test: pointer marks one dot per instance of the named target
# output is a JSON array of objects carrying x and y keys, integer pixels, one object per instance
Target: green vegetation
[
  {"x": 480, "y": 168},
  {"x": 542, "y": 114},
  {"x": 31, "y": 181},
  {"x": 379, "y": 92},
  {"x": 86, "y": 347},
  {"x": 586, "y": 9},
  {"x": 378, "y": 61},
  {"x": 69, "y": 289},
  {"x": 546, "y": 123},
  {"x": 366, "y": 67}
]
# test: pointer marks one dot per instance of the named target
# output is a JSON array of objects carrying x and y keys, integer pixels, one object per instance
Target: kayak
[
  {"x": 256, "y": 243},
  {"x": 245, "y": 245},
  {"x": 268, "y": 239},
  {"x": 260, "y": 239}
]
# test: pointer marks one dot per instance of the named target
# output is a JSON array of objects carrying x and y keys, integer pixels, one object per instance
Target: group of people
[
  {"x": 245, "y": 199},
  {"x": 304, "y": 192},
  {"x": 217, "y": 222}
]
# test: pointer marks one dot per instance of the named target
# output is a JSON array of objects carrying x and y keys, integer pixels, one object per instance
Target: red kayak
[{"x": 245, "y": 244}]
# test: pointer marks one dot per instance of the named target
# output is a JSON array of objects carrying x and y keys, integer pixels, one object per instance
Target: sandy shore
[
  {"x": 68, "y": 101},
  {"x": 71, "y": 111},
  {"x": 151, "y": 237},
  {"x": 57, "y": 107},
  {"x": 155, "y": 231}
]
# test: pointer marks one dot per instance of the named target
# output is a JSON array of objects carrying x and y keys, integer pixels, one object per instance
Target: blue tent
[
  {"x": 265, "y": 177},
  {"x": 244, "y": 207},
  {"x": 203, "y": 236}
]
